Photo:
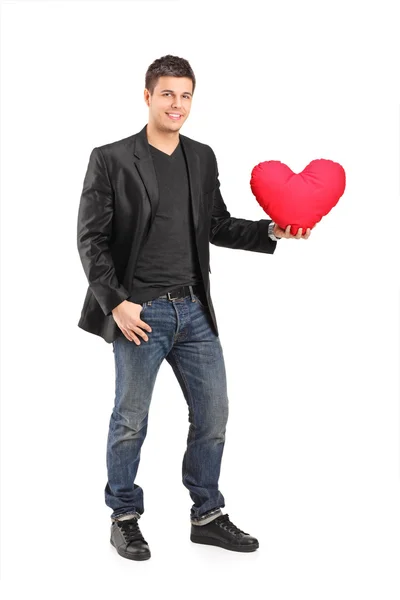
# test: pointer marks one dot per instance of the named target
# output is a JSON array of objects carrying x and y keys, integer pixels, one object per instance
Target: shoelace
[
  {"x": 227, "y": 524},
  {"x": 130, "y": 530}
]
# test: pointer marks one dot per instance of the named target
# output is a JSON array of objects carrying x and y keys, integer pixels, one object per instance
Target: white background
[{"x": 310, "y": 334}]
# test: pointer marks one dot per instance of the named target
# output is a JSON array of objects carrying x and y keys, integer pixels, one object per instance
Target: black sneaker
[
  {"x": 128, "y": 540},
  {"x": 223, "y": 533}
]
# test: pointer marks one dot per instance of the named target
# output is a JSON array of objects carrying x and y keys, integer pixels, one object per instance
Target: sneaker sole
[
  {"x": 129, "y": 555},
  {"x": 209, "y": 542}
]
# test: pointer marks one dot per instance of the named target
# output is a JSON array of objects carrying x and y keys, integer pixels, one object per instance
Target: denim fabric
[{"x": 181, "y": 333}]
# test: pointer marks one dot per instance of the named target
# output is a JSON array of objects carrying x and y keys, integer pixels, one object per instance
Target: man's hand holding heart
[{"x": 285, "y": 233}]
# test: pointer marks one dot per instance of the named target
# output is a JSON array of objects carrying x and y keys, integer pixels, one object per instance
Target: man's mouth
[{"x": 174, "y": 116}]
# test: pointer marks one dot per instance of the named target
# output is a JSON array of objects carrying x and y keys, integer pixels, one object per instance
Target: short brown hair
[{"x": 168, "y": 66}]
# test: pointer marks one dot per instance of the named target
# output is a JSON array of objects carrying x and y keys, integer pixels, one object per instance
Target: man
[{"x": 150, "y": 205}]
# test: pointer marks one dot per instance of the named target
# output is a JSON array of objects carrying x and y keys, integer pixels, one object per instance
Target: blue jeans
[{"x": 182, "y": 334}]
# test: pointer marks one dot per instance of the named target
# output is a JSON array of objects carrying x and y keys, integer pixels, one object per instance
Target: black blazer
[{"x": 118, "y": 203}]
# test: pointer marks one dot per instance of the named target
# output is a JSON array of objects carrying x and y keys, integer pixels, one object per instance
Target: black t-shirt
[{"x": 169, "y": 256}]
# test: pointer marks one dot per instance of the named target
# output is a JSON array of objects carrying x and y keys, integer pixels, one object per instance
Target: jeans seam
[
  {"x": 186, "y": 384},
  {"x": 216, "y": 509}
]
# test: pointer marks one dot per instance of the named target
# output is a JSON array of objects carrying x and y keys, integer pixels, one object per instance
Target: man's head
[{"x": 170, "y": 84}]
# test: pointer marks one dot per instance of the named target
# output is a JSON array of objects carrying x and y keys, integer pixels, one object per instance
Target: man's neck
[{"x": 166, "y": 141}]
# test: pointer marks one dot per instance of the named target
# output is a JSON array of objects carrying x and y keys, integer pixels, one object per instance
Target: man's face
[{"x": 172, "y": 95}]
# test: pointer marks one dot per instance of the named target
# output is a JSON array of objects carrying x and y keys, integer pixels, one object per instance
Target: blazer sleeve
[
  {"x": 234, "y": 232},
  {"x": 95, "y": 217}
]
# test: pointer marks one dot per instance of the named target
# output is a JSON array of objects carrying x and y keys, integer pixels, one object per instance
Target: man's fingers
[
  {"x": 129, "y": 336},
  {"x": 134, "y": 329},
  {"x": 299, "y": 232},
  {"x": 141, "y": 333},
  {"x": 144, "y": 325},
  {"x": 128, "y": 333}
]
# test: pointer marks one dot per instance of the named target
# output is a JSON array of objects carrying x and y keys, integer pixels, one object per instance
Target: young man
[{"x": 150, "y": 205}]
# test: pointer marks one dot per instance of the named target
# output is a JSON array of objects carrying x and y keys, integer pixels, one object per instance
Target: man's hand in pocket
[{"x": 127, "y": 317}]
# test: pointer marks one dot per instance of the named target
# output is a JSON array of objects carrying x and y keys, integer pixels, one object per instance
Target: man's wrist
[{"x": 271, "y": 232}]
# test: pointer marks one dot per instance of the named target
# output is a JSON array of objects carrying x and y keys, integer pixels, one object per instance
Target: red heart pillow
[{"x": 298, "y": 199}]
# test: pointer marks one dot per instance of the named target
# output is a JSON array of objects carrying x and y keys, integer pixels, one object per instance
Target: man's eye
[{"x": 168, "y": 93}]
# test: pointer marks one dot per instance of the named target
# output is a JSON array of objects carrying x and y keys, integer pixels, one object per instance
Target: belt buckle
[{"x": 169, "y": 297}]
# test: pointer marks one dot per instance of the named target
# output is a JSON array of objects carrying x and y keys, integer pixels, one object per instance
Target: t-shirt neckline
[{"x": 164, "y": 153}]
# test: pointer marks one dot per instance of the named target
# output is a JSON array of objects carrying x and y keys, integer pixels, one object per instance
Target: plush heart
[{"x": 298, "y": 199}]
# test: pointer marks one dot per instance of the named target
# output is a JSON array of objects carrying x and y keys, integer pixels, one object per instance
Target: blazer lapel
[
  {"x": 194, "y": 175},
  {"x": 147, "y": 172}
]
